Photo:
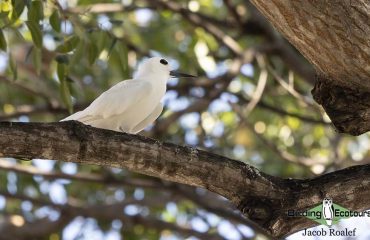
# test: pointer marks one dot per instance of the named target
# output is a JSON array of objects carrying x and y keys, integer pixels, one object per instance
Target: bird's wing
[
  {"x": 118, "y": 98},
  {"x": 149, "y": 119}
]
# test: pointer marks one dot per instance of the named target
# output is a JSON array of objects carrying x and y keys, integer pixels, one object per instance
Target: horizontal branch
[
  {"x": 75, "y": 142},
  {"x": 106, "y": 179},
  {"x": 98, "y": 211},
  {"x": 264, "y": 199}
]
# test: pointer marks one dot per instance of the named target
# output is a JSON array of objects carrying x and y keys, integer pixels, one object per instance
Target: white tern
[{"x": 133, "y": 104}]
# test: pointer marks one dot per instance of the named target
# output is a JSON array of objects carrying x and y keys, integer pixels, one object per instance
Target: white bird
[{"x": 130, "y": 105}]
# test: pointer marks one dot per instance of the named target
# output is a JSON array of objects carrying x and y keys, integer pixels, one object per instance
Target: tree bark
[
  {"x": 334, "y": 36},
  {"x": 263, "y": 198}
]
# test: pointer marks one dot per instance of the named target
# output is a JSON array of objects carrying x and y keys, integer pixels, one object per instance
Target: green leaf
[
  {"x": 68, "y": 45},
  {"x": 36, "y": 11},
  {"x": 18, "y": 7},
  {"x": 65, "y": 92},
  {"x": 18, "y": 34},
  {"x": 112, "y": 46},
  {"x": 61, "y": 67},
  {"x": 13, "y": 67},
  {"x": 3, "y": 45},
  {"x": 55, "y": 21},
  {"x": 92, "y": 52},
  {"x": 101, "y": 39},
  {"x": 35, "y": 33},
  {"x": 4, "y": 16},
  {"x": 37, "y": 60},
  {"x": 79, "y": 55},
  {"x": 123, "y": 56},
  {"x": 28, "y": 54}
]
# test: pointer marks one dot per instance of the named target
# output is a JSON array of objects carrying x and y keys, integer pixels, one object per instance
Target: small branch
[
  {"x": 86, "y": 177},
  {"x": 197, "y": 20},
  {"x": 282, "y": 112},
  {"x": 257, "y": 94},
  {"x": 36, "y": 229},
  {"x": 301, "y": 161},
  {"x": 288, "y": 87},
  {"x": 27, "y": 89},
  {"x": 233, "y": 12},
  {"x": 200, "y": 105}
]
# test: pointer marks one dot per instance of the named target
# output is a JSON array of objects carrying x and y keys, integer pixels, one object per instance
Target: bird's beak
[{"x": 179, "y": 74}]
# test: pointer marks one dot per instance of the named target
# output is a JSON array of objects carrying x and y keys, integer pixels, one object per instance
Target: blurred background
[{"x": 251, "y": 102}]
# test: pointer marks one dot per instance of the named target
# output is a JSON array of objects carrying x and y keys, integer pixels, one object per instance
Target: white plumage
[{"x": 133, "y": 104}]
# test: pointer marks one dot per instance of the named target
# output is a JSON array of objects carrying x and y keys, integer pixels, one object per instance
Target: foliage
[{"x": 57, "y": 56}]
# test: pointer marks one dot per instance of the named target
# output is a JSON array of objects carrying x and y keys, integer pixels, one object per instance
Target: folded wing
[{"x": 114, "y": 101}]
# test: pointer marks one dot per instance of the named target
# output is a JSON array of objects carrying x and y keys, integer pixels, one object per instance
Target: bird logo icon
[{"x": 328, "y": 210}]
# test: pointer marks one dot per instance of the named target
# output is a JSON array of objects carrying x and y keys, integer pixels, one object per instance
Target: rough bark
[
  {"x": 334, "y": 36},
  {"x": 349, "y": 109},
  {"x": 264, "y": 199}
]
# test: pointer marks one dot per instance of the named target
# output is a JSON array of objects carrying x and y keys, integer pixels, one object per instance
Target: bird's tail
[
  {"x": 76, "y": 116},
  {"x": 81, "y": 117}
]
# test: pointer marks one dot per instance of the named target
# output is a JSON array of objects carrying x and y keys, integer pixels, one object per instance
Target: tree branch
[
  {"x": 341, "y": 57},
  {"x": 264, "y": 199},
  {"x": 98, "y": 211}
]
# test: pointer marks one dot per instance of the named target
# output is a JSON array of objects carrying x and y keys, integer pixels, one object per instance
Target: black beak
[{"x": 182, "y": 75}]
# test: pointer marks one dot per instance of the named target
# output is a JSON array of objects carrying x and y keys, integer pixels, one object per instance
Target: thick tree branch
[
  {"x": 333, "y": 36},
  {"x": 257, "y": 24},
  {"x": 349, "y": 109},
  {"x": 342, "y": 28},
  {"x": 264, "y": 199},
  {"x": 208, "y": 200}
]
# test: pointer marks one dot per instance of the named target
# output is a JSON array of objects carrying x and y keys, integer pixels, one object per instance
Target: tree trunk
[{"x": 334, "y": 36}]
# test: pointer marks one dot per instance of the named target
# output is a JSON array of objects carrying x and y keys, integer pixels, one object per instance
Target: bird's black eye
[{"x": 164, "y": 62}]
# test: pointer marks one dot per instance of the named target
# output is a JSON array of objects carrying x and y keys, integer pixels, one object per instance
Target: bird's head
[{"x": 159, "y": 66}]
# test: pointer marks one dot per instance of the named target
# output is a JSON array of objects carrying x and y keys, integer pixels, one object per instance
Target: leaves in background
[
  {"x": 3, "y": 45},
  {"x": 37, "y": 59},
  {"x": 68, "y": 45},
  {"x": 114, "y": 41},
  {"x": 65, "y": 92},
  {"x": 36, "y": 11},
  {"x": 92, "y": 52},
  {"x": 123, "y": 56},
  {"x": 18, "y": 7},
  {"x": 55, "y": 21},
  {"x": 13, "y": 67},
  {"x": 35, "y": 33}
]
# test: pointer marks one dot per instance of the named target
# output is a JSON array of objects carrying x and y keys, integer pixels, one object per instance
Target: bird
[{"x": 133, "y": 104}]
